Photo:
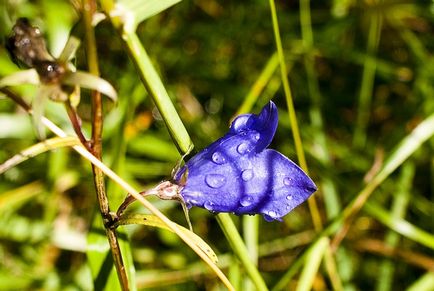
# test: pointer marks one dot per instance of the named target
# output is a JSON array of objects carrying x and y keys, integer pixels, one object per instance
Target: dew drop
[
  {"x": 218, "y": 158},
  {"x": 289, "y": 197},
  {"x": 209, "y": 205},
  {"x": 287, "y": 181},
  {"x": 243, "y": 148},
  {"x": 215, "y": 180},
  {"x": 246, "y": 200},
  {"x": 272, "y": 214},
  {"x": 247, "y": 175},
  {"x": 257, "y": 136}
]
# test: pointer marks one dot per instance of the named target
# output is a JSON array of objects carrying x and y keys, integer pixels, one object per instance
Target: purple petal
[
  {"x": 263, "y": 125},
  {"x": 237, "y": 174}
]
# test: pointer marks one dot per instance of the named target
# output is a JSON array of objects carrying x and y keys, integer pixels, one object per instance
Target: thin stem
[
  {"x": 330, "y": 195},
  {"x": 292, "y": 116},
  {"x": 76, "y": 124},
  {"x": 405, "y": 149},
  {"x": 399, "y": 208},
  {"x": 240, "y": 250},
  {"x": 369, "y": 68},
  {"x": 127, "y": 187},
  {"x": 250, "y": 234},
  {"x": 158, "y": 93},
  {"x": 89, "y": 7},
  {"x": 156, "y": 89}
]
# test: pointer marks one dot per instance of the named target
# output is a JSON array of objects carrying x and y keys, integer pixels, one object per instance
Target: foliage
[{"x": 358, "y": 86}]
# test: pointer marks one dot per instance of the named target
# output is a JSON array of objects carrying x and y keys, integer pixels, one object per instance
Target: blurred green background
[{"x": 362, "y": 79}]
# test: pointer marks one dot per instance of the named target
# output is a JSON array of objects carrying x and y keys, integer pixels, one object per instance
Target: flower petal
[
  {"x": 264, "y": 125},
  {"x": 237, "y": 174}
]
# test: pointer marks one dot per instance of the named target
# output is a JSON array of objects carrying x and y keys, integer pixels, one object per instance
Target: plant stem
[
  {"x": 240, "y": 250},
  {"x": 75, "y": 121},
  {"x": 331, "y": 198},
  {"x": 89, "y": 7},
  {"x": 156, "y": 89},
  {"x": 176, "y": 128},
  {"x": 368, "y": 78},
  {"x": 124, "y": 185},
  {"x": 316, "y": 219}
]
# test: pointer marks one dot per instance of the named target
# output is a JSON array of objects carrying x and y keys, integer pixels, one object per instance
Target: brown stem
[
  {"x": 17, "y": 99},
  {"x": 89, "y": 7},
  {"x": 102, "y": 199},
  {"x": 76, "y": 124}
]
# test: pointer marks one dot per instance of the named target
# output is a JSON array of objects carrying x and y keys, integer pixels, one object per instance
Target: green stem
[
  {"x": 316, "y": 218},
  {"x": 368, "y": 77},
  {"x": 179, "y": 134},
  {"x": 240, "y": 250},
  {"x": 399, "y": 207},
  {"x": 156, "y": 89},
  {"x": 405, "y": 149},
  {"x": 250, "y": 234},
  {"x": 329, "y": 191}
]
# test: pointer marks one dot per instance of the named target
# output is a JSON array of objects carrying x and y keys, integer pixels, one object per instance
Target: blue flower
[{"x": 237, "y": 173}]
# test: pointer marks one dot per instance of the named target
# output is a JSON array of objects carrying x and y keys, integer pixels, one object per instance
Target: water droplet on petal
[
  {"x": 243, "y": 148},
  {"x": 289, "y": 197},
  {"x": 215, "y": 180},
  {"x": 208, "y": 205},
  {"x": 272, "y": 214},
  {"x": 218, "y": 158},
  {"x": 287, "y": 181},
  {"x": 247, "y": 175},
  {"x": 257, "y": 136},
  {"x": 246, "y": 200}
]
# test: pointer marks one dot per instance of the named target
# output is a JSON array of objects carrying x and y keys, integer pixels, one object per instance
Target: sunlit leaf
[
  {"x": 134, "y": 12},
  {"x": 152, "y": 220},
  {"x": 92, "y": 82}
]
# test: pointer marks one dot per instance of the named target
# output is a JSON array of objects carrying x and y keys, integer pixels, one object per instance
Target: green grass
[{"x": 354, "y": 86}]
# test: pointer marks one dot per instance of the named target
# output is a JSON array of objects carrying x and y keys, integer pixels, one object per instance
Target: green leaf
[
  {"x": 400, "y": 225},
  {"x": 134, "y": 12},
  {"x": 312, "y": 262}
]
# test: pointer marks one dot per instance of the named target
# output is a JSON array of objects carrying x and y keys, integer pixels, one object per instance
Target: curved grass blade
[
  {"x": 400, "y": 225},
  {"x": 404, "y": 150},
  {"x": 112, "y": 175},
  {"x": 312, "y": 263},
  {"x": 152, "y": 220},
  {"x": 39, "y": 148}
]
